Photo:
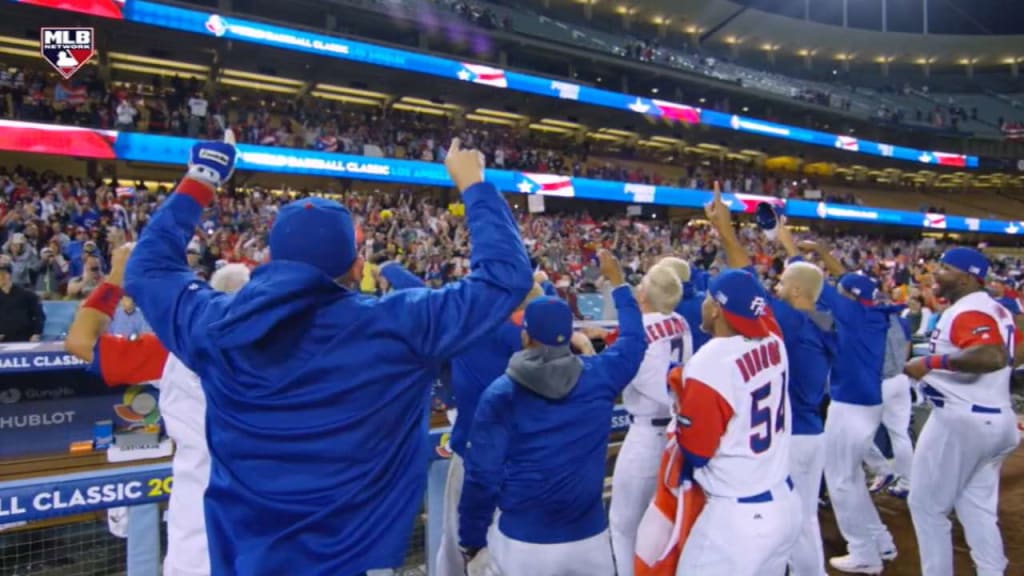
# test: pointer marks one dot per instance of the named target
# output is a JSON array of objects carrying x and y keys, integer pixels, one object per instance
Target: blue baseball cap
[
  {"x": 967, "y": 260},
  {"x": 548, "y": 320},
  {"x": 862, "y": 287},
  {"x": 744, "y": 302},
  {"x": 315, "y": 231}
]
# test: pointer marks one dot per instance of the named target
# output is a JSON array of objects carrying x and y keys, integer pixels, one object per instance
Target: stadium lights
[
  {"x": 427, "y": 103},
  {"x": 562, "y": 123},
  {"x": 258, "y": 86},
  {"x": 20, "y": 52},
  {"x": 500, "y": 114},
  {"x": 352, "y": 91},
  {"x": 490, "y": 119},
  {"x": 156, "y": 71},
  {"x": 261, "y": 77},
  {"x": 601, "y": 136},
  {"x": 419, "y": 109},
  {"x": 667, "y": 140},
  {"x": 159, "y": 62},
  {"x": 653, "y": 144},
  {"x": 621, "y": 133},
  {"x": 346, "y": 99},
  {"x": 20, "y": 42},
  {"x": 548, "y": 128}
]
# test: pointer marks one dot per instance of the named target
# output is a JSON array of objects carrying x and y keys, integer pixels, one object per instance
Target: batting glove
[{"x": 213, "y": 162}]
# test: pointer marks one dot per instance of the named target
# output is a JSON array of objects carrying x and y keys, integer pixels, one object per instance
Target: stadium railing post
[{"x": 144, "y": 540}]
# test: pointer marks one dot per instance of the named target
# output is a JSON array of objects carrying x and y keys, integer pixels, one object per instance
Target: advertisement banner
[
  {"x": 265, "y": 34},
  {"x": 50, "y": 426}
]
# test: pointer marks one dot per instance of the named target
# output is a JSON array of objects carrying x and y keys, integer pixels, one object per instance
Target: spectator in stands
[
  {"x": 53, "y": 270},
  {"x": 21, "y": 312},
  {"x": 128, "y": 320},
  {"x": 918, "y": 317},
  {"x": 92, "y": 276},
  {"x": 23, "y": 258}
]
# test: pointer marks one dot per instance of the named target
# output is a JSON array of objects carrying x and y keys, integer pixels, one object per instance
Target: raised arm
[
  {"x": 158, "y": 277},
  {"x": 446, "y": 321},
  {"x": 621, "y": 361},
  {"x": 399, "y": 277},
  {"x": 718, "y": 214}
]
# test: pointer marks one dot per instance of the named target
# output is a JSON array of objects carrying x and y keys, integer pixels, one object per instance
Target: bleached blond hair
[
  {"x": 678, "y": 265},
  {"x": 230, "y": 278},
  {"x": 808, "y": 277},
  {"x": 662, "y": 289}
]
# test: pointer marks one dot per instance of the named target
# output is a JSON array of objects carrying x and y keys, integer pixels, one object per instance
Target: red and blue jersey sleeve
[
  {"x": 704, "y": 416},
  {"x": 123, "y": 361},
  {"x": 975, "y": 328}
]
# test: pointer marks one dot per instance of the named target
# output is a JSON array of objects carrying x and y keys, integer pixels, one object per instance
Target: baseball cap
[
  {"x": 315, "y": 231},
  {"x": 967, "y": 260},
  {"x": 744, "y": 302},
  {"x": 862, "y": 287},
  {"x": 548, "y": 320}
]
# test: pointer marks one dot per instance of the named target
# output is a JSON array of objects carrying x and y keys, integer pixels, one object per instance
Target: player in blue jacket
[
  {"x": 692, "y": 300},
  {"x": 855, "y": 413},
  {"x": 539, "y": 444},
  {"x": 811, "y": 343},
  {"x": 317, "y": 395}
]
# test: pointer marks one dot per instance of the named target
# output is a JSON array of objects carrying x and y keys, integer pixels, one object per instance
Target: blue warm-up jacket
[
  {"x": 689, "y": 308},
  {"x": 857, "y": 370},
  {"x": 316, "y": 395},
  {"x": 811, "y": 344},
  {"x": 539, "y": 443},
  {"x": 472, "y": 370}
]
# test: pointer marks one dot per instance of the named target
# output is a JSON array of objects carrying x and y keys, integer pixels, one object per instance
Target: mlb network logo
[{"x": 67, "y": 49}]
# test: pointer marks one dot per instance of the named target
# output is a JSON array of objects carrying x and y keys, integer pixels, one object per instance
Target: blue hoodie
[
  {"x": 317, "y": 396},
  {"x": 857, "y": 370},
  {"x": 539, "y": 444}
]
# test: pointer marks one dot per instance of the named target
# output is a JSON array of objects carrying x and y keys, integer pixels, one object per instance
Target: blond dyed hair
[
  {"x": 678, "y": 265},
  {"x": 662, "y": 289},
  {"x": 230, "y": 278},
  {"x": 808, "y": 277}
]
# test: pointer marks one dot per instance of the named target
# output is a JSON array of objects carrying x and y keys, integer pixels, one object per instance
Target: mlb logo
[{"x": 67, "y": 49}]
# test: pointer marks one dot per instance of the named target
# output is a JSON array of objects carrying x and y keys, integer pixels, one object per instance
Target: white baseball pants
[
  {"x": 732, "y": 538},
  {"x": 633, "y": 484},
  {"x": 588, "y": 557},
  {"x": 849, "y": 430},
  {"x": 449, "y": 558},
  {"x": 956, "y": 467},
  {"x": 807, "y": 464},
  {"x": 896, "y": 407}
]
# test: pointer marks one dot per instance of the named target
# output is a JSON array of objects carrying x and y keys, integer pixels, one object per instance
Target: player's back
[
  {"x": 973, "y": 319},
  {"x": 668, "y": 340},
  {"x": 556, "y": 459},
  {"x": 751, "y": 376}
]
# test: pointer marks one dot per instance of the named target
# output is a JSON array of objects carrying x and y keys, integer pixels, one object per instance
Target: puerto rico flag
[
  {"x": 750, "y": 202},
  {"x": 678, "y": 112},
  {"x": 848, "y": 143},
  {"x": 947, "y": 159},
  {"x": 485, "y": 75},
  {"x": 935, "y": 221},
  {"x": 546, "y": 185}
]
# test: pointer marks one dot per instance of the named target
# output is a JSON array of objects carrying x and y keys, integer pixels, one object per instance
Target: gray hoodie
[{"x": 549, "y": 371}]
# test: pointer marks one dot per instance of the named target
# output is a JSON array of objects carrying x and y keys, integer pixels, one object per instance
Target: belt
[
  {"x": 976, "y": 408},
  {"x": 656, "y": 422},
  {"x": 765, "y": 496}
]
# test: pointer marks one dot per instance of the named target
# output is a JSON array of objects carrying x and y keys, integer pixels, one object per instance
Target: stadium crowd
[{"x": 57, "y": 233}]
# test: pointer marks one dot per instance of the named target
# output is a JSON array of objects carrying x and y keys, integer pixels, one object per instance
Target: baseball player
[
  {"x": 734, "y": 430},
  {"x": 539, "y": 443},
  {"x": 318, "y": 396},
  {"x": 894, "y": 477},
  {"x": 972, "y": 427},
  {"x": 810, "y": 339},
  {"x": 649, "y": 405},
  {"x": 124, "y": 361},
  {"x": 854, "y": 414},
  {"x": 692, "y": 300}
]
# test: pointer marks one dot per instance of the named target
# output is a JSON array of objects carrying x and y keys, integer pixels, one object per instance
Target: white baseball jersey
[
  {"x": 183, "y": 408},
  {"x": 668, "y": 340},
  {"x": 972, "y": 320},
  {"x": 736, "y": 417}
]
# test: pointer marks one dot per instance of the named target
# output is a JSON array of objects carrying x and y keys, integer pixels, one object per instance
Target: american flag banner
[
  {"x": 678, "y": 112},
  {"x": 848, "y": 143},
  {"x": 485, "y": 75},
  {"x": 935, "y": 221},
  {"x": 546, "y": 184}
]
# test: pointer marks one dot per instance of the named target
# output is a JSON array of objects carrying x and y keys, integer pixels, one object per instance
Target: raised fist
[
  {"x": 465, "y": 167},
  {"x": 213, "y": 162}
]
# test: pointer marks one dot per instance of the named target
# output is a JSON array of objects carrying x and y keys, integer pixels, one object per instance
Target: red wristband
[
  {"x": 201, "y": 192},
  {"x": 937, "y": 362},
  {"x": 105, "y": 298}
]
